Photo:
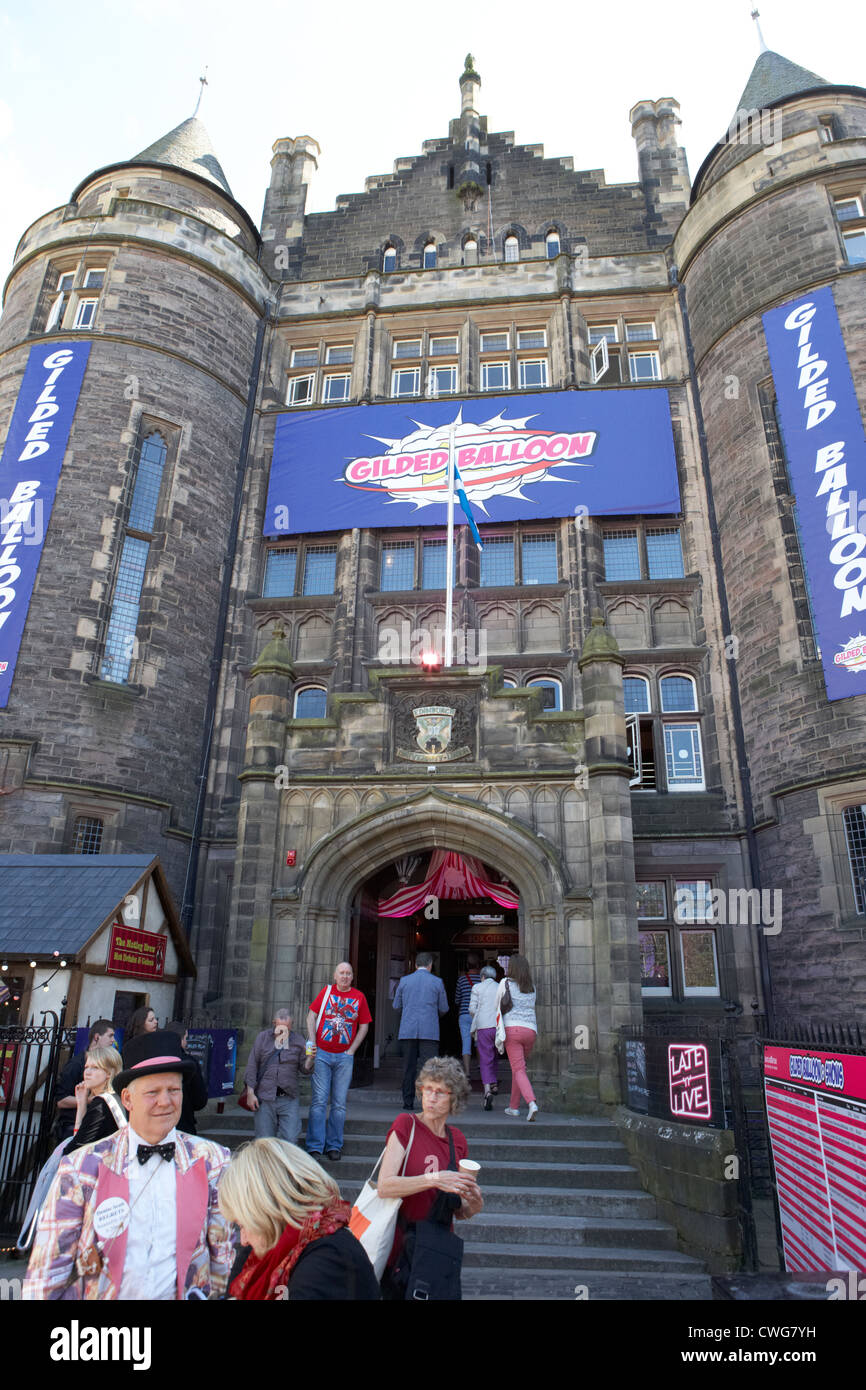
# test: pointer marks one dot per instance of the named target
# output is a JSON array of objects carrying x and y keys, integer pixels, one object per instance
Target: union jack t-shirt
[{"x": 343, "y": 1015}]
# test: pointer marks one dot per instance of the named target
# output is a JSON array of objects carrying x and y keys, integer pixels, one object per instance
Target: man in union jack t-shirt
[{"x": 337, "y": 1024}]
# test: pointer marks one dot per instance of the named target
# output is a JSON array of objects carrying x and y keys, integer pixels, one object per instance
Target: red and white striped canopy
[{"x": 449, "y": 875}]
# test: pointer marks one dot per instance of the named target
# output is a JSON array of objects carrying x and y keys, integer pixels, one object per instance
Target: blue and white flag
[{"x": 464, "y": 502}]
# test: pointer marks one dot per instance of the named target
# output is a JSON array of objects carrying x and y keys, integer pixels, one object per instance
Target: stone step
[
  {"x": 592, "y": 1285},
  {"x": 486, "y": 1124},
  {"x": 632, "y": 1259},
  {"x": 620, "y": 1205},
  {"x": 530, "y": 1227}
]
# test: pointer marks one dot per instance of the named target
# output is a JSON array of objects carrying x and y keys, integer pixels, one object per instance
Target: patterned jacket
[{"x": 89, "y": 1176}]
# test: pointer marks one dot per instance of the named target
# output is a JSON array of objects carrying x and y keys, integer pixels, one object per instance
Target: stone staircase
[{"x": 564, "y": 1214}]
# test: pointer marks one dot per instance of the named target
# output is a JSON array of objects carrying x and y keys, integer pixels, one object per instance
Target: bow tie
[{"x": 146, "y": 1151}]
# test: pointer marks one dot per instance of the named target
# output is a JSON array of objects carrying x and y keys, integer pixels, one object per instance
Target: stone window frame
[
  {"x": 149, "y": 428},
  {"x": 423, "y": 360},
  {"x": 106, "y": 812},
  {"x": 640, "y": 530},
  {"x": 850, "y": 227},
  {"x": 547, "y": 681},
  {"x": 830, "y": 848},
  {"x": 301, "y": 546},
  {"x": 58, "y": 309},
  {"x": 517, "y": 532},
  {"x": 304, "y": 367},
  {"x": 515, "y": 352},
  {"x": 418, "y": 540},
  {"x": 646, "y": 731},
  {"x": 674, "y": 927},
  {"x": 304, "y": 689},
  {"x": 621, "y": 350}
]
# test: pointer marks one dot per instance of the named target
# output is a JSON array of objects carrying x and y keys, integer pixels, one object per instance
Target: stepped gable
[
  {"x": 530, "y": 194},
  {"x": 774, "y": 78},
  {"x": 187, "y": 147}
]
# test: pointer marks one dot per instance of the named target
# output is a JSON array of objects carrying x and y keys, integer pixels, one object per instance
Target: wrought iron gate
[{"x": 31, "y": 1056}]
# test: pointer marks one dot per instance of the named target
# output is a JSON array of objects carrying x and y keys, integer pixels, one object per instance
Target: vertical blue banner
[
  {"x": 29, "y": 473},
  {"x": 826, "y": 450}
]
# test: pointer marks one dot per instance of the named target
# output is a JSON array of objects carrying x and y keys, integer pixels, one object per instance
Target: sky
[{"x": 94, "y": 82}]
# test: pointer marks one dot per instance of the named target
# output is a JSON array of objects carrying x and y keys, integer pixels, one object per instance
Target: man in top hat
[{"x": 135, "y": 1216}]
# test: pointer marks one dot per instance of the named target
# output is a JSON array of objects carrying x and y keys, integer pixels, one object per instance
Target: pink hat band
[{"x": 155, "y": 1061}]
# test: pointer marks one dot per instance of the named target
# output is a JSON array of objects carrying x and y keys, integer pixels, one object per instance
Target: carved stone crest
[{"x": 428, "y": 730}]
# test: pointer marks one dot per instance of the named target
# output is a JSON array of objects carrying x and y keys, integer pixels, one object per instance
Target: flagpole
[{"x": 449, "y": 554}]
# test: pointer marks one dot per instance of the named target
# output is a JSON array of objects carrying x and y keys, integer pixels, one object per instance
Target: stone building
[{"x": 638, "y": 716}]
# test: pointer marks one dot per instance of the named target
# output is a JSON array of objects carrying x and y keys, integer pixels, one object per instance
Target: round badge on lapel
[{"x": 111, "y": 1217}]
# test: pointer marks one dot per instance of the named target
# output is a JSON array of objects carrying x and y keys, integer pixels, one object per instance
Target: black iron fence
[{"x": 31, "y": 1056}]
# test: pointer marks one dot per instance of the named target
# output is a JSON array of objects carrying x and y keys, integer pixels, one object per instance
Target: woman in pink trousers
[{"x": 520, "y": 1032}]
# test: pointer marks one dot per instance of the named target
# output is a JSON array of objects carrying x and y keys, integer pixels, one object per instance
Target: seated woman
[
  {"x": 443, "y": 1089},
  {"x": 98, "y": 1111},
  {"x": 291, "y": 1214}
]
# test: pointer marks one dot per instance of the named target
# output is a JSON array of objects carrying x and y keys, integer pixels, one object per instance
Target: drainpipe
[
  {"x": 189, "y": 887},
  {"x": 739, "y": 737}
]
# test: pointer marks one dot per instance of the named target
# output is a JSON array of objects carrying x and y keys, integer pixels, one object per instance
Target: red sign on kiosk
[{"x": 133, "y": 952}]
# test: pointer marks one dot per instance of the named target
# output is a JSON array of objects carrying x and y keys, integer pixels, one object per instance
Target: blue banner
[
  {"x": 594, "y": 453},
  {"x": 826, "y": 450},
  {"x": 29, "y": 473}
]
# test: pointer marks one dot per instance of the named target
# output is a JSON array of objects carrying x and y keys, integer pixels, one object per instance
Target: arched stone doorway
[{"x": 312, "y": 928}]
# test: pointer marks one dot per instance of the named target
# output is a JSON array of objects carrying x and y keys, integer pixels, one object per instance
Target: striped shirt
[{"x": 464, "y": 989}]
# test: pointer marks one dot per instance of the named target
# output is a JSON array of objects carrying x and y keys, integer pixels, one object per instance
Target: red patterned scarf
[{"x": 262, "y": 1275}]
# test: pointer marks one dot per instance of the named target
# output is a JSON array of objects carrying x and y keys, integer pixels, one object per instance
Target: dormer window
[
  {"x": 552, "y": 245},
  {"x": 429, "y": 259},
  {"x": 512, "y": 248},
  {"x": 389, "y": 260}
]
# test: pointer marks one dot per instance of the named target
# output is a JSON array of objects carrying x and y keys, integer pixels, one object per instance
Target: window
[
  {"x": 599, "y": 332},
  {"x": 495, "y": 342},
  {"x": 826, "y": 129},
  {"x": 339, "y": 354},
  {"x": 621, "y": 555},
  {"x": 551, "y": 698},
  {"x": 336, "y": 387},
  {"x": 405, "y": 381},
  {"x": 320, "y": 569},
  {"x": 94, "y": 278},
  {"x": 640, "y": 332},
  {"x": 85, "y": 312},
  {"x": 470, "y": 252},
  {"x": 512, "y": 248},
  {"x": 678, "y": 959},
  {"x": 87, "y": 835},
  {"x": 443, "y": 347},
  {"x": 854, "y": 821},
  {"x": 429, "y": 261},
  {"x": 653, "y": 552},
  {"x": 539, "y": 559},
  {"x": 495, "y": 376},
  {"x": 433, "y": 569},
  {"x": 123, "y": 619},
  {"x": 397, "y": 570},
  {"x": 679, "y": 741},
  {"x": 389, "y": 259},
  {"x": 305, "y": 357},
  {"x": 551, "y": 244},
  {"x": 532, "y": 372},
  {"x": 280, "y": 570},
  {"x": 311, "y": 702},
  {"x": 855, "y": 246},
  {"x": 848, "y": 209},
  {"x": 55, "y": 313},
  {"x": 664, "y": 552},
  {"x": 532, "y": 337},
  {"x": 301, "y": 390},
  {"x": 442, "y": 381},
  {"x": 497, "y": 561},
  {"x": 407, "y": 347},
  {"x": 644, "y": 366}
]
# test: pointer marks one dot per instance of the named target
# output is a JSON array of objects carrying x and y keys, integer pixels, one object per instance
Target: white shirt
[{"x": 150, "y": 1268}]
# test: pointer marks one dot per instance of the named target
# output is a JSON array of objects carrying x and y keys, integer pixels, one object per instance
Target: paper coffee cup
[{"x": 469, "y": 1168}]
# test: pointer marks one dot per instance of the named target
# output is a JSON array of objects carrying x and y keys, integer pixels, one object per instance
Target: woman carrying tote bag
[{"x": 521, "y": 1030}]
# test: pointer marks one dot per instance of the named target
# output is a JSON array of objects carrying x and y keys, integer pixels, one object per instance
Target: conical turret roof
[
  {"x": 773, "y": 78},
  {"x": 187, "y": 147}
]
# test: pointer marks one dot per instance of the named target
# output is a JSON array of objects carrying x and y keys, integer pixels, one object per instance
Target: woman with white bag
[{"x": 483, "y": 1005}]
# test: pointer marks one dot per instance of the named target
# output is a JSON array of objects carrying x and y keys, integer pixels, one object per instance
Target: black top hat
[{"x": 150, "y": 1053}]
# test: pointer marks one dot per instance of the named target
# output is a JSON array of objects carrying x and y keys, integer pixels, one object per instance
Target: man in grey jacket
[
  {"x": 277, "y": 1059},
  {"x": 421, "y": 997}
]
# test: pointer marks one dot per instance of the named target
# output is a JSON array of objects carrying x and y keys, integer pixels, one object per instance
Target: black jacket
[
  {"x": 98, "y": 1123},
  {"x": 333, "y": 1268},
  {"x": 68, "y": 1079}
]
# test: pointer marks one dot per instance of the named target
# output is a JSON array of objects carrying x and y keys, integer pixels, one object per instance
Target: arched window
[
  {"x": 508, "y": 683},
  {"x": 512, "y": 248},
  {"x": 470, "y": 251},
  {"x": 677, "y": 694},
  {"x": 429, "y": 260},
  {"x": 552, "y": 245},
  {"x": 552, "y": 697},
  {"x": 311, "y": 702},
  {"x": 471, "y": 245},
  {"x": 389, "y": 260},
  {"x": 636, "y": 692}
]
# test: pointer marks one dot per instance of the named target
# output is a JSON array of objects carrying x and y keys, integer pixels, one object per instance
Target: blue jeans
[
  {"x": 465, "y": 1022},
  {"x": 332, "y": 1075},
  {"x": 279, "y": 1119}
]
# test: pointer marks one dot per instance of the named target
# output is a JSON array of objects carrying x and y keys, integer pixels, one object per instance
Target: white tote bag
[{"x": 374, "y": 1218}]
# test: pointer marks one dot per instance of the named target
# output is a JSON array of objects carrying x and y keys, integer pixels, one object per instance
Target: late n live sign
[{"x": 133, "y": 952}]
